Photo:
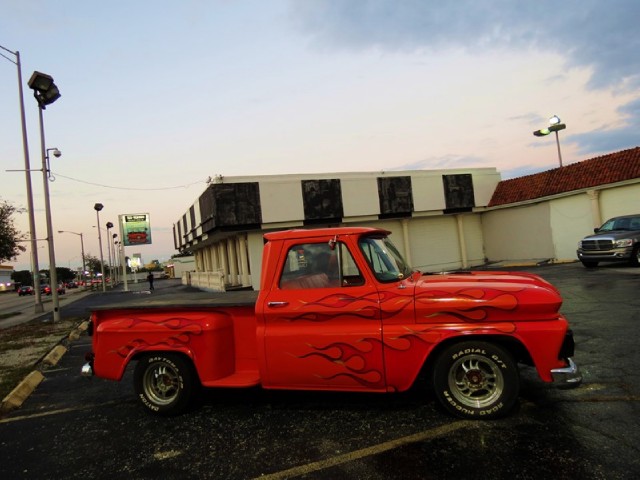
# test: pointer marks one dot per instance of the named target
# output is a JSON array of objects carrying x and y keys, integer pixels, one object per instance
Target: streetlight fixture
[
  {"x": 97, "y": 207},
  {"x": 84, "y": 263},
  {"x": 46, "y": 92},
  {"x": 27, "y": 170},
  {"x": 555, "y": 125}
]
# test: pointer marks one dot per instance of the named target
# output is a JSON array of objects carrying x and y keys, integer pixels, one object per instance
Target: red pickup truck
[{"x": 340, "y": 310}]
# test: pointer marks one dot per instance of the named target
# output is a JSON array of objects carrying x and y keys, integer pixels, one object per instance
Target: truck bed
[{"x": 180, "y": 297}]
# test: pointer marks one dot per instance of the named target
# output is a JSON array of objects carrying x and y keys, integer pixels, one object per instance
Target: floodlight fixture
[
  {"x": 555, "y": 125},
  {"x": 44, "y": 89}
]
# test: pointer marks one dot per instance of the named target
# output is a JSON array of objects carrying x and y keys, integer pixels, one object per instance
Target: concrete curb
[
  {"x": 25, "y": 388},
  {"x": 54, "y": 356},
  {"x": 18, "y": 395}
]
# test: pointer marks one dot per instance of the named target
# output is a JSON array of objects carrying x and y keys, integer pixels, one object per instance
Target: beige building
[
  {"x": 543, "y": 216},
  {"x": 439, "y": 219},
  {"x": 6, "y": 284}
]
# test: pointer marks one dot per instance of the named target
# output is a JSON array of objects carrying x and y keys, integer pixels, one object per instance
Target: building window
[
  {"x": 458, "y": 193},
  {"x": 322, "y": 200},
  {"x": 395, "y": 196}
]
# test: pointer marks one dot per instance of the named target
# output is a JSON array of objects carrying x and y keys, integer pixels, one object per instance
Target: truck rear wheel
[
  {"x": 476, "y": 380},
  {"x": 164, "y": 383}
]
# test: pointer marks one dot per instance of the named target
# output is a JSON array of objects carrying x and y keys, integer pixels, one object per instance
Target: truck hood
[
  {"x": 613, "y": 235},
  {"x": 485, "y": 297}
]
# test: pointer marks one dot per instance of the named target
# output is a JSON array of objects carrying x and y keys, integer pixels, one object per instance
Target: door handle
[{"x": 277, "y": 304}]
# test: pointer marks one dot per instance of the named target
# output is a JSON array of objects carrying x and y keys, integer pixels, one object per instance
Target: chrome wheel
[
  {"x": 165, "y": 382},
  {"x": 475, "y": 381},
  {"x": 161, "y": 383}
]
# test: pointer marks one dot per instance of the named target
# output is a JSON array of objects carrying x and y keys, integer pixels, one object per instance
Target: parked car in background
[
  {"x": 617, "y": 240},
  {"x": 46, "y": 289},
  {"x": 72, "y": 285},
  {"x": 26, "y": 290}
]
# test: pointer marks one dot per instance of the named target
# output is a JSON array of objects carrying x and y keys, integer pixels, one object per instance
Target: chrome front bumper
[{"x": 568, "y": 376}]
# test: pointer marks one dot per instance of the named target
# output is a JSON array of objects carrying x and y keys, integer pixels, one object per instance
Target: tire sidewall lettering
[
  {"x": 468, "y": 354},
  {"x": 468, "y": 411},
  {"x": 156, "y": 365}
]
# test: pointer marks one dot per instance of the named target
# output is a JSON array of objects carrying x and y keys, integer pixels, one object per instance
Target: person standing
[{"x": 150, "y": 279}]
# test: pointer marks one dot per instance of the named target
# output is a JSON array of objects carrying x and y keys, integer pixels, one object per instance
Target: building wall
[
  {"x": 518, "y": 233},
  {"x": 570, "y": 219},
  {"x": 620, "y": 200},
  {"x": 281, "y": 202},
  {"x": 182, "y": 265},
  {"x": 435, "y": 244},
  {"x": 550, "y": 229}
]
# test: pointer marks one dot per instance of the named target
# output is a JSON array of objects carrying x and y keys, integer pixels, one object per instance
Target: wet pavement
[{"x": 73, "y": 427}]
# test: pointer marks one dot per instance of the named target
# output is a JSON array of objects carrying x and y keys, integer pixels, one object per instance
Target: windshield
[
  {"x": 384, "y": 259},
  {"x": 621, "y": 223}
]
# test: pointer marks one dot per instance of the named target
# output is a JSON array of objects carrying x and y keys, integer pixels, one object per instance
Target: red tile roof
[{"x": 611, "y": 168}]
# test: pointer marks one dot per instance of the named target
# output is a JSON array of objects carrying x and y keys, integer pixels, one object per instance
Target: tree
[
  {"x": 93, "y": 264},
  {"x": 9, "y": 235},
  {"x": 153, "y": 265},
  {"x": 65, "y": 274},
  {"x": 23, "y": 277}
]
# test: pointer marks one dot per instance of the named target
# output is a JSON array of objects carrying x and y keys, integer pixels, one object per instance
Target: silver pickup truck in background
[{"x": 617, "y": 240}]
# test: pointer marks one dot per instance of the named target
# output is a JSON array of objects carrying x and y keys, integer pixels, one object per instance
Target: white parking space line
[
  {"x": 59, "y": 411},
  {"x": 367, "y": 452}
]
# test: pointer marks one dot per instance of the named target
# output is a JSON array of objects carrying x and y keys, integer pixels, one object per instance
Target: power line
[{"x": 125, "y": 188}]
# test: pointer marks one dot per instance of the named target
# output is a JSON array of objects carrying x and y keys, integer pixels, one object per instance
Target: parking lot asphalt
[{"x": 73, "y": 427}]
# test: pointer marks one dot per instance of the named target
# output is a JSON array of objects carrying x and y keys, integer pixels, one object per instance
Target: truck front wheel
[
  {"x": 164, "y": 383},
  {"x": 476, "y": 380}
]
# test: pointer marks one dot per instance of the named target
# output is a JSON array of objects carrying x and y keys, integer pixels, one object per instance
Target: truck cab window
[
  {"x": 317, "y": 265},
  {"x": 385, "y": 260}
]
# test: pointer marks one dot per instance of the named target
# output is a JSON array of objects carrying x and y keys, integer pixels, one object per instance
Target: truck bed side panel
[{"x": 216, "y": 339}]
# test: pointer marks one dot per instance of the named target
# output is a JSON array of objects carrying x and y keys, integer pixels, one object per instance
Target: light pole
[
  {"x": 115, "y": 258},
  {"x": 46, "y": 92},
  {"x": 27, "y": 170},
  {"x": 109, "y": 226},
  {"x": 123, "y": 264},
  {"x": 97, "y": 207},
  {"x": 84, "y": 265},
  {"x": 555, "y": 125}
]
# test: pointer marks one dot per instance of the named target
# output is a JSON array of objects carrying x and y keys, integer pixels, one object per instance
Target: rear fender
[{"x": 205, "y": 337}]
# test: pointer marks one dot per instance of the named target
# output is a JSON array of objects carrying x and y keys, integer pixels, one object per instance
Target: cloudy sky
[{"x": 158, "y": 96}]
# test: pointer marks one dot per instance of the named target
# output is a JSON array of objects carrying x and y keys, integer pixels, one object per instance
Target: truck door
[{"x": 322, "y": 323}]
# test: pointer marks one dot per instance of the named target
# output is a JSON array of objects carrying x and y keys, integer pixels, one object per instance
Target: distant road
[{"x": 23, "y": 307}]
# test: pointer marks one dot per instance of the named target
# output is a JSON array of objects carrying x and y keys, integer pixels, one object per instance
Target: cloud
[
  {"x": 594, "y": 36},
  {"x": 587, "y": 33},
  {"x": 607, "y": 140},
  {"x": 443, "y": 162},
  {"x": 530, "y": 118},
  {"x": 523, "y": 171}
]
